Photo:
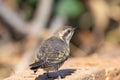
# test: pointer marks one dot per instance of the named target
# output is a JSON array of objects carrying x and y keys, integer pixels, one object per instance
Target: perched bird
[{"x": 54, "y": 51}]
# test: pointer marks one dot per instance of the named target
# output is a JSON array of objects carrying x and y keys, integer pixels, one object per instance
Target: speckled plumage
[{"x": 53, "y": 51}]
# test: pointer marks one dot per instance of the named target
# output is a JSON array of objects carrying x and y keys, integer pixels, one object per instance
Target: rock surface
[{"x": 85, "y": 68}]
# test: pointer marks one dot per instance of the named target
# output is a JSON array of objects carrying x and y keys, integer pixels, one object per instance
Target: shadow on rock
[{"x": 63, "y": 73}]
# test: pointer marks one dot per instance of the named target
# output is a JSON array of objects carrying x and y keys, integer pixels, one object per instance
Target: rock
[{"x": 86, "y": 68}]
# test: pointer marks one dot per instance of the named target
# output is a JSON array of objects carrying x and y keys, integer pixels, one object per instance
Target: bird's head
[{"x": 65, "y": 33}]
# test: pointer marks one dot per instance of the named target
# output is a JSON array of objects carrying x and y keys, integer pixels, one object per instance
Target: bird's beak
[{"x": 75, "y": 28}]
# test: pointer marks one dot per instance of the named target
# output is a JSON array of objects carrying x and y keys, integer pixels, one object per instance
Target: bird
[{"x": 54, "y": 51}]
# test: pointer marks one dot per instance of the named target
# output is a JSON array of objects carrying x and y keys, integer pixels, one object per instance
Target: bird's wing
[
  {"x": 58, "y": 57},
  {"x": 39, "y": 60},
  {"x": 53, "y": 50}
]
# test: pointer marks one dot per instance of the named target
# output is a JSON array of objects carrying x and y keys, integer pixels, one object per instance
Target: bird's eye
[{"x": 68, "y": 31}]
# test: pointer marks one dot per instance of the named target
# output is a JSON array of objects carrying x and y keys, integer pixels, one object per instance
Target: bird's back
[{"x": 52, "y": 52}]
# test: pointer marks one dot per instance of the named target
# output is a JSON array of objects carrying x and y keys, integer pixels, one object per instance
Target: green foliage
[
  {"x": 29, "y": 2},
  {"x": 32, "y": 2},
  {"x": 69, "y": 8}
]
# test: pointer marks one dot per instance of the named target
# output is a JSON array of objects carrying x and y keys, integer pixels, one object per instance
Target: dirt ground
[{"x": 96, "y": 67}]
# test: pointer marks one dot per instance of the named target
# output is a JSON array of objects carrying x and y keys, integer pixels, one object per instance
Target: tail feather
[
  {"x": 34, "y": 69},
  {"x": 35, "y": 66}
]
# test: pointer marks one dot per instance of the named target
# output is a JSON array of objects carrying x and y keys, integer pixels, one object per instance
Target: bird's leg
[
  {"x": 58, "y": 74},
  {"x": 48, "y": 74}
]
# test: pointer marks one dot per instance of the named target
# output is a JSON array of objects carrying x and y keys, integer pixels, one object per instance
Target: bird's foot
[{"x": 59, "y": 77}]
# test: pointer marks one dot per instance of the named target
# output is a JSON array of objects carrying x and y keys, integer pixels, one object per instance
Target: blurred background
[{"x": 24, "y": 24}]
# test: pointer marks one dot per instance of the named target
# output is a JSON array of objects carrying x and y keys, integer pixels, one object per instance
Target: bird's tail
[{"x": 35, "y": 66}]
